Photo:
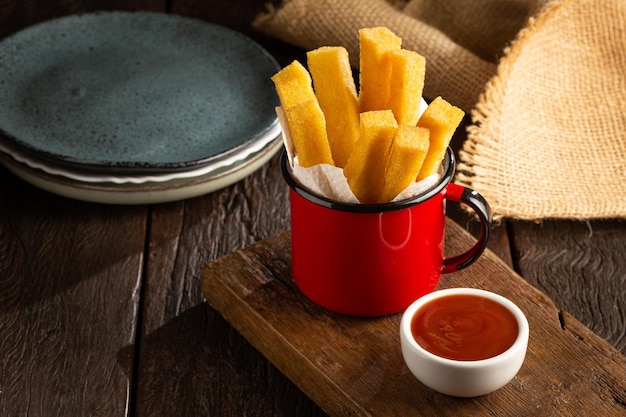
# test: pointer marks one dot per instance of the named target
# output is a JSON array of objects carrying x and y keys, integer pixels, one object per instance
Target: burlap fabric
[{"x": 545, "y": 85}]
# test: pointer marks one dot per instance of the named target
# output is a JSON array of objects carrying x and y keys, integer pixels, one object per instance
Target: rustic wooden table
[{"x": 101, "y": 311}]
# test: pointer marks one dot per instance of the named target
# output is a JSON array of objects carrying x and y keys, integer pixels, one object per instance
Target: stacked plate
[{"x": 135, "y": 107}]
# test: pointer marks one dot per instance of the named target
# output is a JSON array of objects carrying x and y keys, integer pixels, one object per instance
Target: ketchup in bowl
[
  {"x": 463, "y": 342},
  {"x": 464, "y": 327}
]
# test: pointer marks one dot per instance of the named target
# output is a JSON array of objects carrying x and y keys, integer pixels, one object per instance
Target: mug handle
[{"x": 477, "y": 202}]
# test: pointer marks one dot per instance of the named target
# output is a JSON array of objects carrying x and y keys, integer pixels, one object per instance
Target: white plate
[{"x": 147, "y": 193}]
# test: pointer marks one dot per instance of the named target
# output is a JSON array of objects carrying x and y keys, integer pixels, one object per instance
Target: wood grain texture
[
  {"x": 353, "y": 366},
  {"x": 79, "y": 281},
  {"x": 70, "y": 274},
  {"x": 192, "y": 362},
  {"x": 581, "y": 266}
]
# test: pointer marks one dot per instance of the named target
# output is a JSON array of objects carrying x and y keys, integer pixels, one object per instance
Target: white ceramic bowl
[{"x": 463, "y": 378}]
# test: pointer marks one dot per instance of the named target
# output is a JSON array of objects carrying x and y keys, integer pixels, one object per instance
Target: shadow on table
[
  {"x": 53, "y": 246},
  {"x": 197, "y": 364}
]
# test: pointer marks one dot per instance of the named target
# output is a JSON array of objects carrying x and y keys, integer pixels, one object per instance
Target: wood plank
[
  {"x": 353, "y": 366},
  {"x": 580, "y": 265},
  {"x": 191, "y": 359},
  {"x": 70, "y": 274}
]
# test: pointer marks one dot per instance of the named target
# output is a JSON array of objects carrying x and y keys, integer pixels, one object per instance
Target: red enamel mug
[{"x": 376, "y": 259}]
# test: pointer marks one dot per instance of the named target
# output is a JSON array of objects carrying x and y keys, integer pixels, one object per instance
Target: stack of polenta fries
[{"x": 376, "y": 136}]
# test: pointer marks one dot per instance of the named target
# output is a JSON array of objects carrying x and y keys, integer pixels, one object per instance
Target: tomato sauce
[{"x": 464, "y": 327}]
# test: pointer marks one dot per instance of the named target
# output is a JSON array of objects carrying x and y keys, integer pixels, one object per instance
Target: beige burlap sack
[
  {"x": 452, "y": 70},
  {"x": 547, "y": 139}
]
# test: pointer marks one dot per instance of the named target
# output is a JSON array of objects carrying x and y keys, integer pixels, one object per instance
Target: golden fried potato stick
[
  {"x": 375, "y": 67},
  {"x": 408, "y": 69},
  {"x": 308, "y": 134},
  {"x": 408, "y": 151},
  {"x": 335, "y": 89},
  {"x": 294, "y": 85},
  {"x": 442, "y": 119},
  {"x": 365, "y": 170},
  {"x": 305, "y": 119}
]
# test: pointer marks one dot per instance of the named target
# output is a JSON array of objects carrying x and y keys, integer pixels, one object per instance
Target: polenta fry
[
  {"x": 305, "y": 119},
  {"x": 365, "y": 170},
  {"x": 336, "y": 92},
  {"x": 308, "y": 133},
  {"x": 375, "y": 67},
  {"x": 408, "y": 150},
  {"x": 408, "y": 70},
  {"x": 441, "y": 119},
  {"x": 376, "y": 136},
  {"x": 294, "y": 85}
]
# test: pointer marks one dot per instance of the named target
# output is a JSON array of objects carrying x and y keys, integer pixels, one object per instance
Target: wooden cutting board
[{"x": 353, "y": 366}]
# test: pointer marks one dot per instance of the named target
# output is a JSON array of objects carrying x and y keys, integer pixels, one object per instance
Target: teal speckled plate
[{"x": 134, "y": 92}]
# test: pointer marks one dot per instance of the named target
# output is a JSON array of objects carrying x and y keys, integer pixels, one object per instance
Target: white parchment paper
[{"x": 330, "y": 182}]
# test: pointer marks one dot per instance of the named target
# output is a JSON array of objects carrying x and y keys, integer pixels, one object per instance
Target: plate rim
[{"x": 133, "y": 194}]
